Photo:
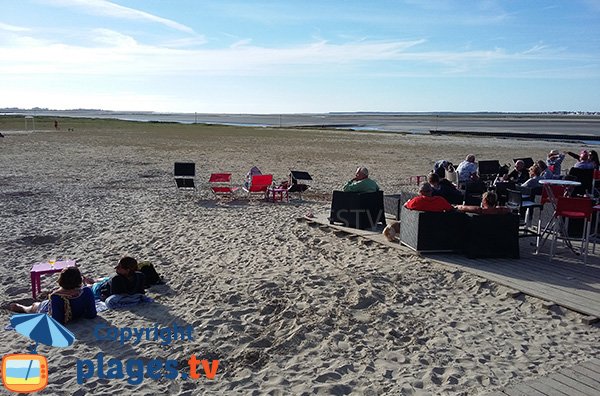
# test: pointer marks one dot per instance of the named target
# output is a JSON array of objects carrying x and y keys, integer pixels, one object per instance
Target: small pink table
[
  {"x": 277, "y": 194},
  {"x": 40, "y": 269}
]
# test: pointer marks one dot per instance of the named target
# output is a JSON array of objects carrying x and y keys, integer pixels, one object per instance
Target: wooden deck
[
  {"x": 580, "y": 380},
  {"x": 564, "y": 281}
]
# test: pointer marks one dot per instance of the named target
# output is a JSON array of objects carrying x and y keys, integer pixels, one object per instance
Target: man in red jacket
[{"x": 426, "y": 203}]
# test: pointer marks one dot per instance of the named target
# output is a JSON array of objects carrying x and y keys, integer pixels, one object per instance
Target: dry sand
[{"x": 286, "y": 308}]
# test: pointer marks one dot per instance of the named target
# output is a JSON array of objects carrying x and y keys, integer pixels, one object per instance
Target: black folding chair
[
  {"x": 298, "y": 181},
  {"x": 184, "y": 173},
  {"x": 488, "y": 170}
]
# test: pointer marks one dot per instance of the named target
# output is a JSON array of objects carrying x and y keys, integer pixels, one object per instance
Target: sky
[{"x": 306, "y": 56}]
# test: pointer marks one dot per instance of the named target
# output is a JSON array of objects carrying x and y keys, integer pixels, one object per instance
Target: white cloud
[
  {"x": 13, "y": 28},
  {"x": 110, "y": 38},
  {"x": 116, "y": 54},
  {"x": 109, "y": 9},
  {"x": 121, "y": 54}
]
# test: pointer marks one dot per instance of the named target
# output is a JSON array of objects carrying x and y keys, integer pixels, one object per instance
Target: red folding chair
[
  {"x": 220, "y": 184},
  {"x": 259, "y": 185},
  {"x": 573, "y": 208}
]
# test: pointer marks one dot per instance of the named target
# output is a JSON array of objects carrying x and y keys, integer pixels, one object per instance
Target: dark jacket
[{"x": 120, "y": 284}]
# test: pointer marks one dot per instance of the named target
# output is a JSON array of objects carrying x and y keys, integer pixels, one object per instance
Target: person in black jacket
[
  {"x": 519, "y": 174},
  {"x": 444, "y": 188},
  {"x": 127, "y": 287}
]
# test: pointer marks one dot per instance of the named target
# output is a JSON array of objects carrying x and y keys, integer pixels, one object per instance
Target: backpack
[{"x": 151, "y": 276}]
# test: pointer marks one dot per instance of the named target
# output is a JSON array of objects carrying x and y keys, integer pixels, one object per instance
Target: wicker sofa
[
  {"x": 492, "y": 236},
  {"x": 357, "y": 210},
  {"x": 474, "y": 235},
  {"x": 433, "y": 231}
]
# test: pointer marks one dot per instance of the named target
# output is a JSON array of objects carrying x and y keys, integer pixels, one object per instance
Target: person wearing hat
[
  {"x": 361, "y": 182},
  {"x": 554, "y": 162}
]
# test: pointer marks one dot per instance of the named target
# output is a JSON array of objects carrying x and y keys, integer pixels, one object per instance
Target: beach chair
[
  {"x": 296, "y": 184},
  {"x": 220, "y": 184},
  {"x": 473, "y": 192},
  {"x": 585, "y": 177},
  {"x": 184, "y": 173},
  {"x": 488, "y": 170},
  {"x": 524, "y": 208},
  {"x": 259, "y": 185}
]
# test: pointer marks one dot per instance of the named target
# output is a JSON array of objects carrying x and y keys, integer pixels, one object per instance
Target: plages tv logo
[
  {"x": 26, "y": 373},
  {"x": 134, "y": 370}
]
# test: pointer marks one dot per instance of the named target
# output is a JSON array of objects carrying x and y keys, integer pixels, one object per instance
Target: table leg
[{"x": 35, "y": 284}]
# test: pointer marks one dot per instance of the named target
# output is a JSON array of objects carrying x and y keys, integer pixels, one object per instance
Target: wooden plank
[
  {"x": 593, "y": 365},
  {"x": 522, "y": 390},
  {"x": 522, "y": 269},
  {"x": 574, "y": 295},
  {"x": 587, "y": 372},
  {"x": 589, "y": 320},
  {"x": 582, "y": 378},
  {"x": 575, "y": 385},
  {"x": 564, "y": 268},
  {"x": 594, "y": 362},
  {"x": 560, "y": 285},
  {"x": 571, "y": 301},
  {"x": 544, "y": 386},
  {"x": 560, "y": 387}
]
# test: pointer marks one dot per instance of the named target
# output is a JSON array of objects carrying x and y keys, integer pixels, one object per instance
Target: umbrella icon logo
[{"x": 27, "y": 373}]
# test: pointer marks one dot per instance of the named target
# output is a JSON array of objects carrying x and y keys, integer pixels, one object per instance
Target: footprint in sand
[
  {"x": 331, "y": 376},
  {"x": 365, "y": 302}
]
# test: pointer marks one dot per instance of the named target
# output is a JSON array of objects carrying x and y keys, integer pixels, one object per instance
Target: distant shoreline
[{"x": 555, "y": 126}]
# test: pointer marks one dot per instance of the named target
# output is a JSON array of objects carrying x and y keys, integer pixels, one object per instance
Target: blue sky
[{"x": 292, "y": 56}]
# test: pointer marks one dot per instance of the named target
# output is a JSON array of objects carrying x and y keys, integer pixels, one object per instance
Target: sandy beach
[{"x": 286, "y": 308}]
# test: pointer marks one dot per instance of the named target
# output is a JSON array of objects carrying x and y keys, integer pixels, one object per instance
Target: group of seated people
[
  {"x": 76, "y": 295},
  {"x": 548, "y": 169},
  {"x": 439, "y": 193},
  {"x": 427, "y": 202}
]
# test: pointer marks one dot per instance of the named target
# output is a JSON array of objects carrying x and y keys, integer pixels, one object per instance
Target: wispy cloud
[
  {"x": 109, "y": 9},
  {"x": 113, "y": 53},
  {"x": 13, "y": 28}
]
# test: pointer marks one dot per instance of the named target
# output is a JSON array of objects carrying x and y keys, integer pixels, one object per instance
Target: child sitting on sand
[
  {"x": 70, "y": 301},
  {"x": 127, "y": 287}
]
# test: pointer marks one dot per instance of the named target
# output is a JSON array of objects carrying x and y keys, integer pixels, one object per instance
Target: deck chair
[
  {"x": 585, "y": 177},
  {"x": 184, "y": 173},
  {"x": 220, "y": 184},
  {"x": 259, "y": 185},
  {"x": 488, "y": 170},
  {"x": 298, "y": 187},
  {"x": 473, "y": 192}
]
